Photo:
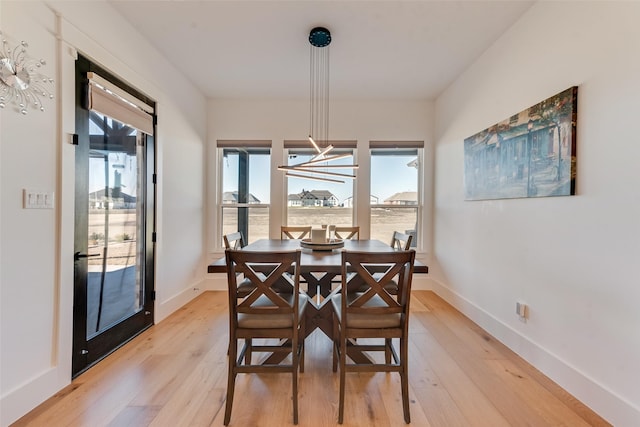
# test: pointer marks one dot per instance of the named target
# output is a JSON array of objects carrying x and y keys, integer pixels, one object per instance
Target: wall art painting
[{"x": 530, "y": 154}]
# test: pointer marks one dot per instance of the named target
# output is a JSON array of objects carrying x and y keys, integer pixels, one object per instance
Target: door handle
[{"x": 79, "y": 255}]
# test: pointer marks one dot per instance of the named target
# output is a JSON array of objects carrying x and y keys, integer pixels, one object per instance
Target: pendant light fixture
[{"x": 316, "y": 168}]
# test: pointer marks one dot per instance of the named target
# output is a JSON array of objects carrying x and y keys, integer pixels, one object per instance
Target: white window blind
[{"x": 108, "y": 99}]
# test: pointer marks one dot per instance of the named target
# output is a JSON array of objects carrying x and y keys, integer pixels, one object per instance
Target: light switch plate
[{"x": 37, "y": 199}]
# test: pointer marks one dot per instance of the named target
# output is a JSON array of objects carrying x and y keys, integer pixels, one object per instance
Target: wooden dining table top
[{"x": 315, "y": 260}]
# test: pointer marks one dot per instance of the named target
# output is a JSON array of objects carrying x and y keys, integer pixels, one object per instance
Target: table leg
[
  {"x": 323, "y": 283},
  {"x": 317, "y": 315},
  {"x": 320, "y": 316}
]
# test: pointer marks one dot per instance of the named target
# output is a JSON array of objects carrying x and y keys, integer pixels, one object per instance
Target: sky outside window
[
  {"x": 391, "y": 174},
  {"x": 259, "y": 175}
]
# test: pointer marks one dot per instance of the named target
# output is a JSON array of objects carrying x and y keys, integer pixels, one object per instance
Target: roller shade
[
  {"x": 395, "y": 148},
  {"x": 108, "y": 99},
  {"x": 235, "y": 143},
  {"x": 396, "y": 144},
  {"x": 306, "y": 144}
]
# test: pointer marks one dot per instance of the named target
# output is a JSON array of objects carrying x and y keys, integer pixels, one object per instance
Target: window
[
  {"x": 315, "y": 203},
  {"x": 245, "y": 189},
  {"x": 246, "y": 174},
  {"x": 395, "y": 191}
]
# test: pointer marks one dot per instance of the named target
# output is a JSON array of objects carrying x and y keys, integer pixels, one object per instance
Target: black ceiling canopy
[{"x": 320, "y": 37}]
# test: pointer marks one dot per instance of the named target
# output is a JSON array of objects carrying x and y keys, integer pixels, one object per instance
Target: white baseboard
[
  {"x": 215, "y": 282},
  {"x": 604, "y": 402},
  {"x": 17, "y": 402},
  {"x": 166, "y": 308}
]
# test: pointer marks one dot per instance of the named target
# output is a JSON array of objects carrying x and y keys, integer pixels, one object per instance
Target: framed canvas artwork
[{"x": 530, "y": 154}]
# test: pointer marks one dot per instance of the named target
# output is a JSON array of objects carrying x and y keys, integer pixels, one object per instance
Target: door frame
[{"x": 86, "y": 353}]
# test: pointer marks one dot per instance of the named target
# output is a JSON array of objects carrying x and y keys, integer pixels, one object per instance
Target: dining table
[{"x": 319, "y": 269}]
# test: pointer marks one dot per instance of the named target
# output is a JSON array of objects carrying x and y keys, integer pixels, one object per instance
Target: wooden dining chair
[
  {"x": 294, "y": 232},
  {"x": 265, "y": 314},
  {"x": 401, "y": 241},
  {"x": 236, "y": 241},
  {"x": 375, "y": 314},
  {"x": 347, "y": 233}
]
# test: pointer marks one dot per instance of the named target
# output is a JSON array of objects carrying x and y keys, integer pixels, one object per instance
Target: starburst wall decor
[{"x": 21, "y": 82}]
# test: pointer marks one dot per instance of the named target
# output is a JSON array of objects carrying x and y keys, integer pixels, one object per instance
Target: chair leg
[
  {"x": 343, "y": 362},
  {"x": 404, "y": 379},
  {"x": 231, "y": 380},
  {"x": 335, "y": 342},
  {"x": 301, "y": 338},
  {"x": 295, "y": 387}
]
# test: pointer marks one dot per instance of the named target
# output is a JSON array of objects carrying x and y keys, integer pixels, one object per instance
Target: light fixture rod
[
  {"x": 330, "y": 158},
  {"x": 322, "y": 153},
  {"x": 314, "y": 178},
  {"x": 303, "y": 169},
  {"x": 313, "y": 142},
  {"x": 316, "y": 166}
]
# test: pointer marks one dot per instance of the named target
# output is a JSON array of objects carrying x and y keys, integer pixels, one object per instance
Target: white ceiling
[{"x": 379, "y": 49}]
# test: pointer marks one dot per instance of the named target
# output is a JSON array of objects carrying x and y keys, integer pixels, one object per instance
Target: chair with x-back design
[
  {"x": 373, "y": 314},
  {"x": 401, "y": 241},
  {"x": 265, "y": 314},
  {"x": 294, "y": 232},
  {"x": 236, "y": 241},
  {"x": 347, "y": 233}
]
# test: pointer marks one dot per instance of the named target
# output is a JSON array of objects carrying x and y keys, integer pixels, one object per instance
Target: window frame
[
  {"x": 400, "y": 148},
  {"x": 251, "y": 147}
]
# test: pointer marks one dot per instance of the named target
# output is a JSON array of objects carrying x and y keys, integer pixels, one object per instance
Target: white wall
[
  {"x": 279, "y": 120},
  {"x": 573, "y": 260},
  {"x": 36, "y": 269}
]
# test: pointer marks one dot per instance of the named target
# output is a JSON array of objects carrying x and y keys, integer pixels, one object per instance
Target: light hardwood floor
[{"x": 175, "y": 375}]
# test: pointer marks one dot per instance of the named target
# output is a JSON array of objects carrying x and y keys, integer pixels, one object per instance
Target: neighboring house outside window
[
  {"x": 232, "y": 197},
  {"x": 294, "y": 200},
  {"x": 320, "y": 198},
  {"x": 404, "y": 198}
]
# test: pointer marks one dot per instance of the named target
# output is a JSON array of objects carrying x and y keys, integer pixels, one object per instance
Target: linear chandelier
[{"x": 316, "y": 168}]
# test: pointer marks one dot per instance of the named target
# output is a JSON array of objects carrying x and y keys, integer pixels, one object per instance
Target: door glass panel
[{"x": 114, "y": 281}]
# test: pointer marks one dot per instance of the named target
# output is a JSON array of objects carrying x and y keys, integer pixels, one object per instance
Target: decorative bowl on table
[{"x": 327, "y": 245}]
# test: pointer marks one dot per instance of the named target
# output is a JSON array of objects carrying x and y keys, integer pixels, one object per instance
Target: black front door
[{"x": 114, "y": 225}]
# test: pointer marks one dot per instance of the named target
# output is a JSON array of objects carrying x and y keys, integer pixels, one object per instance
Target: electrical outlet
[{"x": 522, "y": 310}]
